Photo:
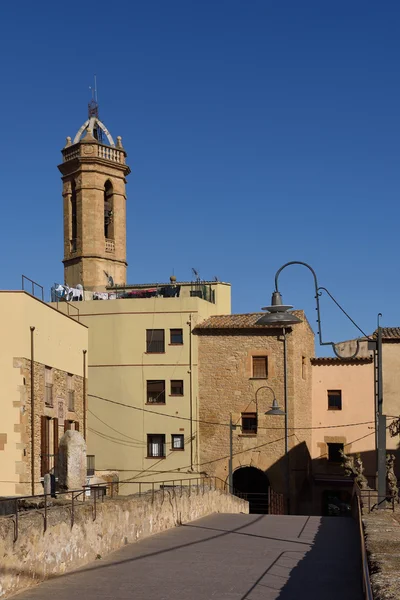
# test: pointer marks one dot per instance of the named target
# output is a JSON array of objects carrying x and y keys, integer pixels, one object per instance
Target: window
[
  {"x": 177, "y": 441},
  {"x": 249, "y": 422},
  {"x": 155, "y": 340},
  {"x": 260, "y": 367},
  {"x": 334, "y": 399},
  {"x": 334, "y": 453},
  {"x": 156, "y": 392},
  {"x": 176, "y": 336},
  {"x": 155, "y": 445},
  {"x": 48, "y": 386},
  {"x": 108, "y": 211},
  {"x": 176, "y": 387},
  {"x": 71, "y": 392}
]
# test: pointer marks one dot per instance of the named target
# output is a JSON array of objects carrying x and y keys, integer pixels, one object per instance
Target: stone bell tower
[{"x": 94, "y": 172}]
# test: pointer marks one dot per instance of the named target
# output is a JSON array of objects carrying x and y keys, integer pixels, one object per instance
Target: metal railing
[
  {"x": 264, "y": 503},
  {"x": 17, "y": 507},
  {"x": 366, "y": 581},
  {"x": 33, "y": 285},
  {"x": 70, "y": 307},
  {"x": 369, "y": 500}
]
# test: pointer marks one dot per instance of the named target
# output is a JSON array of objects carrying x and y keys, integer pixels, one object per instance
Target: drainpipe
[
  {"x": 190, "y": 390},
  {"x": 84, "y": 394},
  {"x": 32, "y": 414}
]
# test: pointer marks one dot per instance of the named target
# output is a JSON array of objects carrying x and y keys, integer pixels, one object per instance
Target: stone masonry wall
[
  {"x": 59, "y": 410},
  {"x": 226, "y": 386},
  {"x": 36, "y": 555}
]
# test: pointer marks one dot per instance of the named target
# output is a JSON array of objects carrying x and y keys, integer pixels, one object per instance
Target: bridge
[{"x": 232, "y": 556}]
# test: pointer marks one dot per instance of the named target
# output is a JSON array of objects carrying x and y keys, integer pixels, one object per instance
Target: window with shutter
[
  {"x": 155, "y": 341},
  {"x": 260, "y": 367},
  {"x": 48, "y": 386},
  {"x": 176, "y": 387},
  {"x": 44, "y": 445},
  {"x": 71, "y": 392},
  {"x": 156, "y": 392},
  {"x": 249, "y": 423}
]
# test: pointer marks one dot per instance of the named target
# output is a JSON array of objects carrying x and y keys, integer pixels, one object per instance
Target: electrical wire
[{"x": 154, "y": 412}]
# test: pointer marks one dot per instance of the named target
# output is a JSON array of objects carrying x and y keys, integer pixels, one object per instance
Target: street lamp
[{"x": 278, "y": 314}]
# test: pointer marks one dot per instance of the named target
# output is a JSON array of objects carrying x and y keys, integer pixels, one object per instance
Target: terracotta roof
[
  {"x": 246, "y": 321},
  {"x": 334, "y": 360},
  {"x": 390, "y": 333}
]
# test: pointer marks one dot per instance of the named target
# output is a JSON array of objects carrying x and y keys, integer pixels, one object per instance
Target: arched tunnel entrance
[{"x": 252, "y": 484}]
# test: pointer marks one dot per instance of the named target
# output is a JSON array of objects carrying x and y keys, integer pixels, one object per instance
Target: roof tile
[{"x": 243, "y": 321}]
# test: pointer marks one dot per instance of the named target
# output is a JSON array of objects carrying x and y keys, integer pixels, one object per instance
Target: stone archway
[{"x": 252, "y": 484}]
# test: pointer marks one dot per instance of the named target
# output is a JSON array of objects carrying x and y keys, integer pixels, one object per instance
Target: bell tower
[{"x": 94, "y": 172}]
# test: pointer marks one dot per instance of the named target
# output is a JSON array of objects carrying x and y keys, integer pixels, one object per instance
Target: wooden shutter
[
  {"x": 67, "y": 425},
  {"x": 76, "y": 425},
  {"x": 55, "y": 443},
  {"x": 260, "y": 367},
  {"x": 44, "y": 445}
]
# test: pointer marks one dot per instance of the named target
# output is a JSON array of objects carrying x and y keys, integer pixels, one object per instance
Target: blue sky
[{"x": 258, "y": 132}]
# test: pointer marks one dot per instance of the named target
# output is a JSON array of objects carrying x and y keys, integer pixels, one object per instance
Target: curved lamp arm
[
  {"x": 263, "y": 387},
  {"x": 318, "y": 292}
]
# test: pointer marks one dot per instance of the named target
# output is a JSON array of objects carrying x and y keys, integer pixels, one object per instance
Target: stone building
[
  {"x": 94, "y": 174},
  {"x": 42, "y": 360},
  {"x": 241, "y": 366}
]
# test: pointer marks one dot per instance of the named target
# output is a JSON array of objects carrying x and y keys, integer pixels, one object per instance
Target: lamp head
[
  {"x": 275, "y": 410},
  {"x": 278, "y": 313}
]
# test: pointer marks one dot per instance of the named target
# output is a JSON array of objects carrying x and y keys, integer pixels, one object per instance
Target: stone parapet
[{"x": 37, "y": 555}]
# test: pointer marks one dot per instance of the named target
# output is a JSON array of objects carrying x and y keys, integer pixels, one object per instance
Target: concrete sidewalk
[{"x": 232, "y": 557}]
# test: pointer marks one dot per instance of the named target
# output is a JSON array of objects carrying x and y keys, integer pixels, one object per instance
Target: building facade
[
  {"x": 343, "y": 420},
  {"x": 241, "y": 368},
  {"x": 43, "y": 389}
]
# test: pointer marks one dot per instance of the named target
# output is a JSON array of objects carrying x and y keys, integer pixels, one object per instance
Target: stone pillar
[{"x": 72, "y": 461}]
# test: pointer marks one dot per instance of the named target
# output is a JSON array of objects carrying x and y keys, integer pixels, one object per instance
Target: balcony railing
[
  {"x": 96, "y": 150},
  {"x": 156, "y": 450},
  {"x": 110, "y": 246}
]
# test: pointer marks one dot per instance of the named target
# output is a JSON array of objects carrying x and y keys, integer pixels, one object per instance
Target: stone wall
[
  {"x": 382, "y": 538},
  {"x": 59, "y": 411},
  {"x": 36, "y": 555}
]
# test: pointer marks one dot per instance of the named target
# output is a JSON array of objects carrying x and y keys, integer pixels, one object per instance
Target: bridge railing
[
  {"x": 357, "y": 513},
  {"x": 18, "y": 506}
]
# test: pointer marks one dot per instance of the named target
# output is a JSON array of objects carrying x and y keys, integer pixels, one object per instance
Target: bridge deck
[{"x": 232, "y": 557}]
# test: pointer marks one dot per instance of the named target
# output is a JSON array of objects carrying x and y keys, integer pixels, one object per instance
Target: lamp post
[
  {"x": 275, "y": 410},
  {"x": 279, "y": 314}
]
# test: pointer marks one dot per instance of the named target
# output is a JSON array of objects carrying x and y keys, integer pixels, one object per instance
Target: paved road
[{"x": 225, "y": 557}]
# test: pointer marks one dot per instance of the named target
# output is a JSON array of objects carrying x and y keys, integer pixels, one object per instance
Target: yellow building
[
  {"x": 42, "y": 361},
  {"x": 143, "y": 377},
  {"x": 143, "y": 374}
]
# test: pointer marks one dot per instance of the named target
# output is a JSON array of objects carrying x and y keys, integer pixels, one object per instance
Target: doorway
[{"x": 252, "y": 485}]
